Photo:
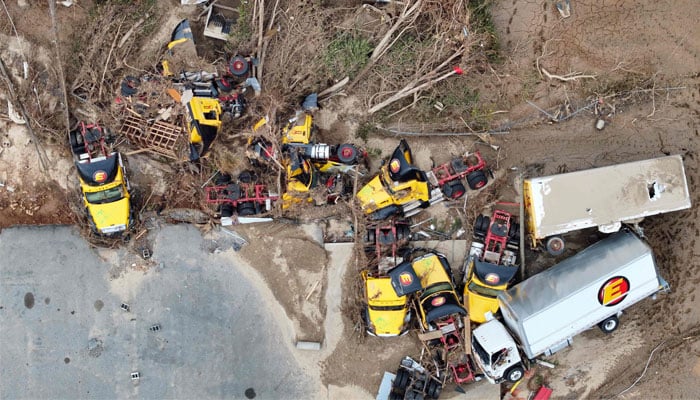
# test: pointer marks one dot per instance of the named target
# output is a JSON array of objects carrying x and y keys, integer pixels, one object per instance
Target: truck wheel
[
  {"x": 454, "y": 190},
  {"x": 395, "y": 396},
  {"x": 476, "y": 180},
  {"x": 513, "y": 230},
  {"x": 247, "y": 176},
  {"x": 347, "y": 154},
  {"x": 226, "y": 210},
  {"x": 515, "y": 374},
  {"x": 609, "y": 325},
  {"x": 555, "y": 245},
  {"x": 222, "y": 179},
  {"x": 245, "y": 209},
  {"x": 434, "y": 389},
  {"x": 401, "y": 380}
]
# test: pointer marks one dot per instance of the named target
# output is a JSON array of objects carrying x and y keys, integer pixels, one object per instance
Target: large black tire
[
  {"x": 477, "y": 180},
  {"x": 609, "y": 325},
  {"x": 477, "y": 224},
  {"x": 347, "y": 154},
  {"x": 238, "y": 66},
  {"x": 434, "y": 390},
  {"x": 247, "y": 176},
  {"x": 454, "y": 189},
  {"x": 222, "y": 179},
  {"x": 224, "y": 85},
  {"x": 395, "y": 396},
  {"x": 402, "y": 232},
  {"x": 226, "y": 210},
  {"x": 402, "y": 379},
  {"x": 245, "y": 209},
  {"x": 485, "y": 223},
  {"x": 555, "y": 245},
  {"x": 515, "y": 374}
]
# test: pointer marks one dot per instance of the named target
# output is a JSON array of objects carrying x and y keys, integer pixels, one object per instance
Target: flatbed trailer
[{"x": 603, "y": 197}]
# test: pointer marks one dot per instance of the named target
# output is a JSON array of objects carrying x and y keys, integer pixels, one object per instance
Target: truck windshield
[
  {"x": 483, "y": 291},
  {"x": 483, "y": 355},
  {"x": 105, "y": 196}
]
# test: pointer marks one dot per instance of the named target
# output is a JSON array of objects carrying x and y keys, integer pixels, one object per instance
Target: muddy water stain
[
  {"x": 66, "y": 360},
  {"x": 47, "y": 300},
  {"x": 98, "y": 305},
  {"x": 29, "y": 300}
]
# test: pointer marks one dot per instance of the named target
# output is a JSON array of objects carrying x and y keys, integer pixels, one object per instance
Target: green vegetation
[
  {"x": 346, "y": 54},
  {"x": 482, "y": 22},
  {"x": 364, "y": 130}
]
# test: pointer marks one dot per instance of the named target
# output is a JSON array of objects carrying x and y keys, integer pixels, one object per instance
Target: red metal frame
[
  {"x": 390, "y": 226},
  {"x": 445, "y": 173},
  {"x": 493, "y": 242},
  {"x": 83, "y": 128},
  {"x": 258, "y": 194}
]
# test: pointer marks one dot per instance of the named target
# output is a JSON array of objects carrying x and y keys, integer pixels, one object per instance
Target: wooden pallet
[{"x": 161, "y": 137}]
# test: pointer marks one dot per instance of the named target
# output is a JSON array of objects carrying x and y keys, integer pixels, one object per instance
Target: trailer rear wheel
[
  {"x": 434, "y": 389},
  {"x": 222, "y": 179},
  {"x": 476, "y": 180},
  {"x": 609, "y": 325},
  {"x": 401, "y": 380},
  {"x": 515, "y": 374},
  {"x": 245, "y": 209},
  {"x": 454, "y": 190},
  {"x": 555, "y": 245},
  {"x": 226, "y": 210}
]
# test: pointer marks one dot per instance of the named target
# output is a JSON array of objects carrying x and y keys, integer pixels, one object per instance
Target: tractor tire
[
  {"x": 515, "y": 374},
  {"x": 222, "y": 179},
  {"x": 485, "y": 223},
  {"x": 477, "y": 224},
  {"x": 245, "y": 209},
  {"x": 226, "y": 210},
  {"x": 477, "y": 180},
  {"x": 555, "y": 245},
  {"x": 402, "y": 379},
  {"x": 434, "y": 389},
  {"x": 238, "y": 66},
  {"x": 395, "y": 396},
  {"x": 371, "y": 236},
  {"x": 247, "y": 176},
  {"x": 609, "y": 325},
  {"x": 223, "y": 85},
  {"x": 347, "y": 154},
  {"x": 403, "y": 232},
  {"x": 454, "y": 190}
]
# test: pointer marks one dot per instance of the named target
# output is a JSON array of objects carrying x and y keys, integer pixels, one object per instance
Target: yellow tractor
[
  {"x": 399, "y": 188},
  {"x": 203, "y": 124},
  {"x": 103, "y": 183}
]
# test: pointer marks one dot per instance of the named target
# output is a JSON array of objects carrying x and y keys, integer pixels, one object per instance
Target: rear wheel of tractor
[
  {"x": 246, "y": 209},
  {"x": 226, "y": 210},
  {"x": 347, "y": 153},
  {"x": 515, "y": 374},
  {"x": 370, "y": 237},
  {"x": 485, "y": 223},
  {"x": 476, "y": 180},
  {"x": 401, "y": 379},
  {"x": 402, "y": 232},
  {"x": 555, "y": 245},
  {"x": 609, "y": 325},
  {"x": 222, "y": 179},
  {"x": 247, "y": 176},
  {"x": 454, "y": 190},
  {"x": 238, "y": 66},
  {"x": 434, "y": 389}
]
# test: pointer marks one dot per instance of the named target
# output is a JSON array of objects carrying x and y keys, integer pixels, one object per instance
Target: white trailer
[
  {"x": 547, "y": 310},
  {"x": 602, "y": 197}
]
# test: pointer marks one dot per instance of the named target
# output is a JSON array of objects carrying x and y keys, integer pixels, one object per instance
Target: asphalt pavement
[{"x": 195, "y": 328}]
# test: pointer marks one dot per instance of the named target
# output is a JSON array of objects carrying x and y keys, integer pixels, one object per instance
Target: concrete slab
[{"x": 64, "y": 334}]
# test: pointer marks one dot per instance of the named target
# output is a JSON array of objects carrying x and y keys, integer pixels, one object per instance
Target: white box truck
[
  {"x": 544, "y": 312},
  {"x": 602, "y": 197}
]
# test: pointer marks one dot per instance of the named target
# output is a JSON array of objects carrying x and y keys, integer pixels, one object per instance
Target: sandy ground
[{"x": 622, "y": 43}]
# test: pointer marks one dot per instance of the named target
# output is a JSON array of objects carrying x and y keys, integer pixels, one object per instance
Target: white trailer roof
[
  {"x": 563, "y": 280},
  {"x": 566, "y": 202}
]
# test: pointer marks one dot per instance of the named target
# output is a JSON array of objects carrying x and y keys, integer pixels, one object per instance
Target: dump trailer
[
  {"x": 602, "y": 197},
  {"x": 543, "y": 313}
]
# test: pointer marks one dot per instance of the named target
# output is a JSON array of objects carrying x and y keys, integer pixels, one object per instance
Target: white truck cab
[{"x": 496, "y": 353}]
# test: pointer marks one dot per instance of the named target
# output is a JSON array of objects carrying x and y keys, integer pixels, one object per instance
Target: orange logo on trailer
[
  {"x": 438, "y": 301},
  {"x": 394, "y": 165},
  {"x": 492, "y": 278},
  {"x": 613, "y": 291},
  {"x": 406, "y": 279},
  {"x": 99, "y": 176}
]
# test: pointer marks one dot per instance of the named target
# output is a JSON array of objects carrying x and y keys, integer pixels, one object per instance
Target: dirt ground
[{"x": 637, "y": 60}]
